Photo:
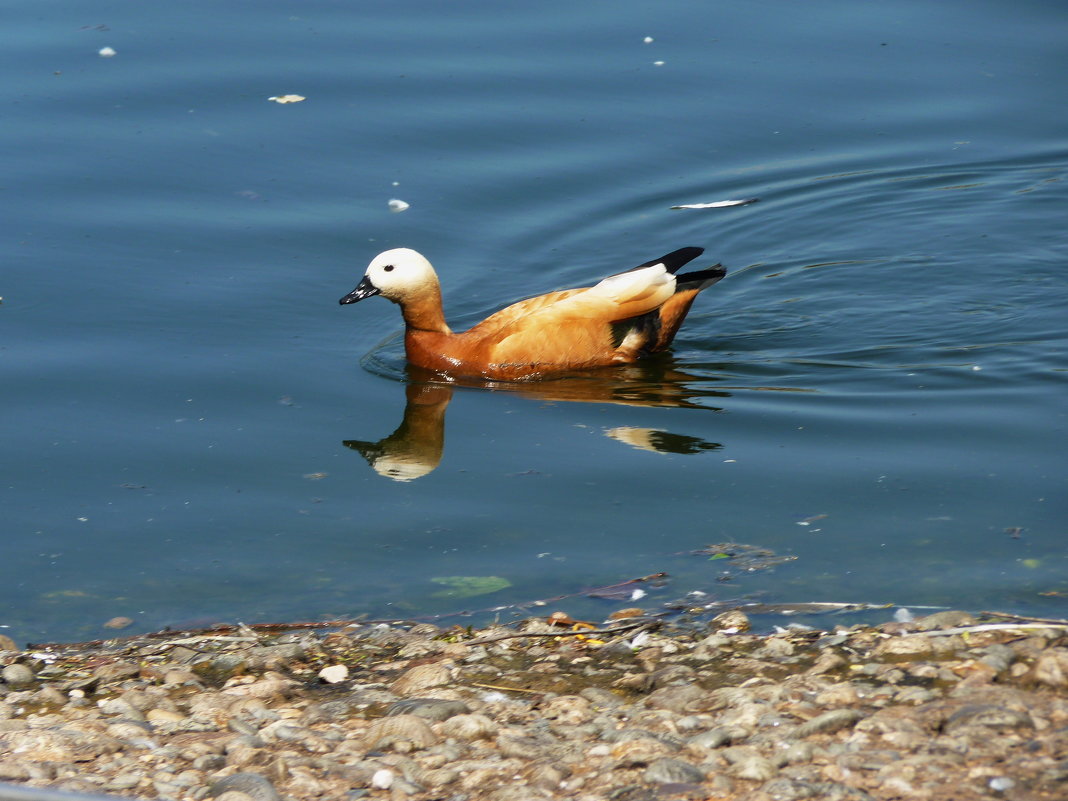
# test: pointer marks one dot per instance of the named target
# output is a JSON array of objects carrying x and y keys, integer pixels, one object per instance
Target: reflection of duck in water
[
  {"x": 416, "y": 447},
  {"x": 657, "y": 441},
  {"x": 617, "y": 321}
]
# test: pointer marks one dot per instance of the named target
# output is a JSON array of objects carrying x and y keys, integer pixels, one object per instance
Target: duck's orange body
[{"x": 616, "y": 321}]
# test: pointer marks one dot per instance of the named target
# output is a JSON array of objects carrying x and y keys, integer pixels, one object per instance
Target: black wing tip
[
  {"x": 675, "y": 259},
  {"x": 687, "y": 253}
]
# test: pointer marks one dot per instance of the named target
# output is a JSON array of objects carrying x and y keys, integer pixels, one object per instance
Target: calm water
[{"x": 186, "y": 409}]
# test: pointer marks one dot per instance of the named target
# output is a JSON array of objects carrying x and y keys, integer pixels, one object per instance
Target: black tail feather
[{"x": 699, "y": 279}]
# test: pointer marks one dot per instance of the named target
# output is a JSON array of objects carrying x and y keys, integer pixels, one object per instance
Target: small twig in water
[
  {"x": 1025, "y": 617},
  {"x": 208, "y": 638},
  {"x": 506, "y": 689},
  {"x": 992, "y": 627}
]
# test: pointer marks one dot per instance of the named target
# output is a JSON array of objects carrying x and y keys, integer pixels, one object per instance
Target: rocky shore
[{"x": 943, "y": 707}]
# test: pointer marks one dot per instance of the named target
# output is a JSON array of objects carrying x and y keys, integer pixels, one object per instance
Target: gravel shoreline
[{"x": 937, "y": 708}]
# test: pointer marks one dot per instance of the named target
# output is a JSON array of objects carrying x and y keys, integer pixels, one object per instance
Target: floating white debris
[
  {"x": 397, "y": 206},
  {"x": 658, "y": 63},
  {"x": 106, "y": 52},
  {"x": 638, "y": 640},
  {"x": 648, "y": 40},
  {"x": 287, "y": 98},
  {"x": 719, "y": 204}
]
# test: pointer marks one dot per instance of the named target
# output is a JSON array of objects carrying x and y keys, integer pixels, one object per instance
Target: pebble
[
  {"x": 116, "y": 671},
  {"x": 429, "y": 708},
  {"x": 709, "y": 740},
  {"x": 548, "y": 776},
  {"x": 568, "y": 709},
  {"x": 469, "y": 727},
  {"x": 1001, "y": 784},
  {"x": 253, "y": 785},
  {"x": 219, "y": 668},
  {"x": 164, "y": 716},
  {"x": 120, "y": 706},
  {"x": 681, "y": 698},
  {"x": 420, "y": 678},
  {"x": 829, "y": 722},
  {"x": 640, "y": 751},
  {"x": 989, "y": 716},
  {"x": 17, "y": 676},
  {"x": 861, "y": 713},
  {"x": 1051, "y": 668},
  {"x": 669, "y": 771},
  {"x": 746, "y": 762},
  {"x": 529, "y": 748},
  {"x": 410, "y": 731},
  {"x": 334, "y": 674},
  {"x": 382, "y": 779}
]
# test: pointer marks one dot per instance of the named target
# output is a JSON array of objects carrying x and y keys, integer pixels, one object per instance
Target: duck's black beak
[{"x": 364, "y": 289}]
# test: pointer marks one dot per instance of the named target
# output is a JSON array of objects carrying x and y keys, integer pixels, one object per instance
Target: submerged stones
[{"x": 909, "y": 709}]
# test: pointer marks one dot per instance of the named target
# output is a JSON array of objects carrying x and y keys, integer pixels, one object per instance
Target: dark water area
[{"x": 878, "y": 387}]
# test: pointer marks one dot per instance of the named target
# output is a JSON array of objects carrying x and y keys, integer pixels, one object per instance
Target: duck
[{"x": 619, "y": 320}]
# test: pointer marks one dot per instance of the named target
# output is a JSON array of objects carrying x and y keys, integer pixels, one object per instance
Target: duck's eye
[{"x": 388, "y": 268}]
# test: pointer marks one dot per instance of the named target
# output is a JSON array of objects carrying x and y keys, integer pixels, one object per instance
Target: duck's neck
[{"x": 423, "y": 312}]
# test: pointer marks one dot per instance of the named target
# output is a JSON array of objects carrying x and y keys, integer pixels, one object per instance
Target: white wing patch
[
  {"x": 634, "y": 284},
  {"x": 620, "y": 296}
]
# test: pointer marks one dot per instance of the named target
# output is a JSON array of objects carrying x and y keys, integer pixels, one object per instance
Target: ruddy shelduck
[{"x": 616, "y": 321}]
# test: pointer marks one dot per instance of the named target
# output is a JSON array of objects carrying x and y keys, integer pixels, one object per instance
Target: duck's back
[{"x": 570, "y": 329}]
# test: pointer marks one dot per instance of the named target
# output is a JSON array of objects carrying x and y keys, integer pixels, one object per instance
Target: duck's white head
[{"x": 395, "y": 274}]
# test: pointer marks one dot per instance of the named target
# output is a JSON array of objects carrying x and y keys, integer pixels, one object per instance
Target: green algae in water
[{"x": 469, "y": 586}]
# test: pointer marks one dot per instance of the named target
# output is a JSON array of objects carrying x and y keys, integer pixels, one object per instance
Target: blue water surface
[{"x": 195, "y": 431}]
